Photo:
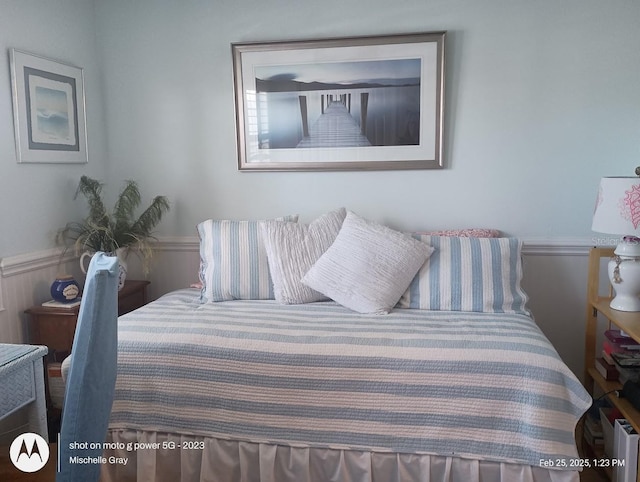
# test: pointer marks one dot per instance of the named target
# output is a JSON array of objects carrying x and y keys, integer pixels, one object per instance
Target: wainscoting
[
  {"x": 25, "y": 281},
  {"x": 555, "y": 280}
]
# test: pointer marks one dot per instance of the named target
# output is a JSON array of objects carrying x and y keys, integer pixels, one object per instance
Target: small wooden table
[
  {"x": 55, "y": 327},
  {"x": 22, "y": 382}
]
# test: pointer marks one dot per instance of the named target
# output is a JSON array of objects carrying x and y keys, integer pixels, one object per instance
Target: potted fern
[{"x": 114, "y": 231}]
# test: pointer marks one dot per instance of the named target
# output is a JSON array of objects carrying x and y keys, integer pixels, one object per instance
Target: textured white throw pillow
[
  {"x": 293, "y": 248},
  {"x": 368, "y": 267}
]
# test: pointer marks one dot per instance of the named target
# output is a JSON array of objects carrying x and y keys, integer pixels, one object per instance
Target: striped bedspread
[{"x": 474, "y": 385}]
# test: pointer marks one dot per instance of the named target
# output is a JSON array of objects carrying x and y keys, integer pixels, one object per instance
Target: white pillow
[
  {"x": 368, "y": 267},
  {"x": 293, "y": 248}
]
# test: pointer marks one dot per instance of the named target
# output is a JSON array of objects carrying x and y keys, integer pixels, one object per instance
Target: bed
[{"x": 258, "y": 390}]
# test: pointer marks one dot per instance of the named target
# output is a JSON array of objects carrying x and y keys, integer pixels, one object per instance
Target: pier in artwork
[{"x": 335, "y": 127}]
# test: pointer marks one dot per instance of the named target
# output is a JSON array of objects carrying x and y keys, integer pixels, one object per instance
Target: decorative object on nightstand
[
  {"x": 618, "y": 212},
  {"x": 113, "y": 232},
  {"x": 65, "y": 289}
]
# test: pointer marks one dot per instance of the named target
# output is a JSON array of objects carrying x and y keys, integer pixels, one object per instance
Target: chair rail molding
[
  {"x": 177, "y": 243},
  {"x": 24, "y": 263},
  {"x": 531, "y": 245}
]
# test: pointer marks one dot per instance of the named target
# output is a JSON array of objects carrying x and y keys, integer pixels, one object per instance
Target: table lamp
[{"x": 618, "y": 212}]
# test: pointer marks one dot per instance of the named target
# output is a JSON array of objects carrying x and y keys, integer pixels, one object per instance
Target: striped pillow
[
  {"x": 469, "y": 274},
  {"x": 233, "y": 261}
]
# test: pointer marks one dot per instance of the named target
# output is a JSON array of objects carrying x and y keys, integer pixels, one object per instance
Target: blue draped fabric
[{"x": 92, "y": 376}]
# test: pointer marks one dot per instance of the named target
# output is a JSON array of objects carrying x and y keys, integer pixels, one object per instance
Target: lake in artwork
[{"x": 339, "y": 104}]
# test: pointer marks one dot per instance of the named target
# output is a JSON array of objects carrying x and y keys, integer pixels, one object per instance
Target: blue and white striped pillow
[
  {"x": 469, "y": 274},
  {"x": 233, "y": 261}
]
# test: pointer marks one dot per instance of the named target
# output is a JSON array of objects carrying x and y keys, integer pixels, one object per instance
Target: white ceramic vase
[{"x": 120, "y": 253}]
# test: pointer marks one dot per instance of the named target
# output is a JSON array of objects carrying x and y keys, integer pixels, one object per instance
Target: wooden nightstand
[{"x": 55, "y": 327}]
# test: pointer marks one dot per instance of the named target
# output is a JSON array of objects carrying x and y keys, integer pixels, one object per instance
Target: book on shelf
[
  {"x": 592, "y": 440},
  {"x": 594, "y": 426},
  {"x": 627, "y": 365},
  {"x": 610, "y": 347},
  {"x": 620, "y": 338},
  {"x": 607, "y": 370},
  {"x": 627, "y": 359},
  {"x": 608, "y": 358},
  {"x": 628, "y": 375}
]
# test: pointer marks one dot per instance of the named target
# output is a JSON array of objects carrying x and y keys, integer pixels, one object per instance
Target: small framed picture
[
  {"x": 340, "y": 104},
  {"x": 48, "y": 110}
]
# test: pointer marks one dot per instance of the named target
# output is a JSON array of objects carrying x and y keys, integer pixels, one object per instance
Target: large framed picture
[
  {"x": 48, "y": 110},
  {"x": 340, "y": 104}
]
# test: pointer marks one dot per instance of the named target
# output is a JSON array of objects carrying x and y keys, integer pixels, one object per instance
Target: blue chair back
[{"x": 92, "y": 375}]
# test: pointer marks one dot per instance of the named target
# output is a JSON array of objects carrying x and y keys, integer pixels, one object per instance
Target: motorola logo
[{"x": 29, "y": 452}]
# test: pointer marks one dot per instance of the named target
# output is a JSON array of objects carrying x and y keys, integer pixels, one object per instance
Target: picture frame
[
  {"x": 48, "y": 110},
  {"x": 355, "y": 103}
]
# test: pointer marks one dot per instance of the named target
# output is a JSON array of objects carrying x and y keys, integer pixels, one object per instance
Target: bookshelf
[{"x": 629, "y": 322}]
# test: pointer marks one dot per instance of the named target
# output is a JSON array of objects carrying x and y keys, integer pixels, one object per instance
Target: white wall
[
  {"x": 37, "y": 199},
  {"x": 541, "y": 102}
]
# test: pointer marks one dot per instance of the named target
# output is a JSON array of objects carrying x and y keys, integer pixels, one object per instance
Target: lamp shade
[{"x": 618, "y": 206}]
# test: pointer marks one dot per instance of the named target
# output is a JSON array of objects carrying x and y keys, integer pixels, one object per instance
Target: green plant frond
[
  {"x": 150, "y": 217},
  {"x": 93, "y": 237},
  {"x": 128, "y": 200},
  {"x": 102, "y": 231},
  {"x": 92, "y": 191}
]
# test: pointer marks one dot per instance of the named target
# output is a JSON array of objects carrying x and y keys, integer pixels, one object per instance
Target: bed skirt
[{"x": 188, "y": 458}]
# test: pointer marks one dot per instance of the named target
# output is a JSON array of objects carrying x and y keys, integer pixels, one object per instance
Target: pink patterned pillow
[{"x": 465, "y": 233}]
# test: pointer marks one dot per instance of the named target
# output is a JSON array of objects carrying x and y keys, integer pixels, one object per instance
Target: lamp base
[{"x": 624, "y": 274}]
